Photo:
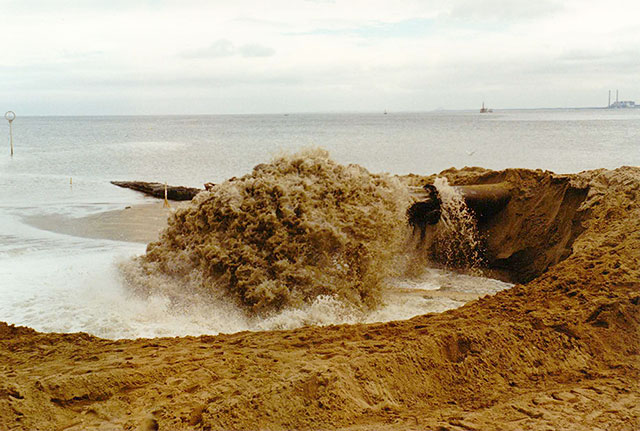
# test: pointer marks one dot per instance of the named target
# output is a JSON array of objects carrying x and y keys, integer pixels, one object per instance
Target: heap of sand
[{"x": 559, "y": 352}]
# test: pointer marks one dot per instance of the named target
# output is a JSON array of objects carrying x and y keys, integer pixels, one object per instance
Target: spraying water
[
  {"x": 293, "y": 230},
  {"x": 299, "y": 241},
  {"x": 456, "y": 242}
]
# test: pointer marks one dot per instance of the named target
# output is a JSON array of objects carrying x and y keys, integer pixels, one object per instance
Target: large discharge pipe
[{"x": 484, "y": 200}]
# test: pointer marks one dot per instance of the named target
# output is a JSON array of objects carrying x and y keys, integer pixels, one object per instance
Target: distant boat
[
  {"x": 484, "y": 110},
  {"x": 385, "y": 112}
]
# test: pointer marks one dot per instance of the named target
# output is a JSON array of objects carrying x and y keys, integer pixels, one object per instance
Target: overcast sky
[{"x": 247, "y": 56}]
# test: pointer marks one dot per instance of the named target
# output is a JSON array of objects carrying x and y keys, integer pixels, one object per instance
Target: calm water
[{"x": 55, "y": 282}]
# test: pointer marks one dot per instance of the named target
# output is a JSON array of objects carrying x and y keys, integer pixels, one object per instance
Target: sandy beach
[
  {"x": 136, "y": 223},
  {"x": 558, "y": 351}
]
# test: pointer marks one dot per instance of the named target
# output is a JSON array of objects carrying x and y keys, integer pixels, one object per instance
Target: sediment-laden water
[{"x": 63, "y": 166}]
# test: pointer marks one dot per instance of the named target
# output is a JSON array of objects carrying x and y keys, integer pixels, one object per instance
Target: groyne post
[{"x": 166, "y": 200}]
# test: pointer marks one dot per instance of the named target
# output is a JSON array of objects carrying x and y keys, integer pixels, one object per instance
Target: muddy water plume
[
  {"x": 456, "y": 242},
  {"x": 293, "y": 230}
]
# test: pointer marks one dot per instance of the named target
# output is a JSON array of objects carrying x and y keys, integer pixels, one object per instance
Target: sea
[{"x": 62, "y": 166}]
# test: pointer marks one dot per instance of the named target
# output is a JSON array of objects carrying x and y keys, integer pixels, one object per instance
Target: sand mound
[
  {"x": 294, "y": 229},
  {"x": 561, "y": 352}
]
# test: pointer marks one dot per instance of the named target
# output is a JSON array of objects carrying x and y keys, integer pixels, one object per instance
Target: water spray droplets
[{"x": 456, "y": 242}]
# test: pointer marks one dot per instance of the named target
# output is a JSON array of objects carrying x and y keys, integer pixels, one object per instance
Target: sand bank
[
  {"x": 136, "y": 223},
  {"x": 559, "y": 352}
]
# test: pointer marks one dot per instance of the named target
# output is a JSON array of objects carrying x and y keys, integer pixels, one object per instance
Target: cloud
[
  {"x": 503, "y": 10},
  {"x": 616, "y": 58},
  {"x": 224, "y": 48},
  {"x": 415, "y": 27},
  {"x": 582, "y": 62},
  {"x": 342, "y": 54},
  {"x": 79, "y": 55},
  {"x": 219, "y": 48},
  {"x": 255, "y": 50}
]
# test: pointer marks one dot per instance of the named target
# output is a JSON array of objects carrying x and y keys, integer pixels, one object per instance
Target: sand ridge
[{"x": 560, "y": 352}]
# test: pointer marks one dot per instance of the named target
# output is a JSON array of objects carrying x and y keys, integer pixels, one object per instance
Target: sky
[{"x": 137, "y": 57}]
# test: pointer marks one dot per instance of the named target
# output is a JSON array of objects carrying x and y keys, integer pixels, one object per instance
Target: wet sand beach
[{"x": 136, "y": 223}]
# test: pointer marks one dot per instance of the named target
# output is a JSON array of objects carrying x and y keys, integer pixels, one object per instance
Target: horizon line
[{"x": 285, "y": 113}]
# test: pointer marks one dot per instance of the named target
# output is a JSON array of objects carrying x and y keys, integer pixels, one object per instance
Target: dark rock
[{"x": 174, "y": 193}]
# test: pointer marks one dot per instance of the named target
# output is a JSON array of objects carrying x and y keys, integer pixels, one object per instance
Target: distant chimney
[
  {"x": 609, "y": 104},
  {"x": 616, "y": 97}
]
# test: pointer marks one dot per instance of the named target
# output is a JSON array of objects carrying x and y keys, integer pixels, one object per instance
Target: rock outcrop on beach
[
  {"x": 157, "y": 190},
  {"x": 560, "y": 352}
]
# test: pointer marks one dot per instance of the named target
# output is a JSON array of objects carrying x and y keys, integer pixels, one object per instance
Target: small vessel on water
[{"x": 484, "y": 110}]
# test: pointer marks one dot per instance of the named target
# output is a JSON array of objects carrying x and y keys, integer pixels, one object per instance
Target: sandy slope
[{"x": 560, "y": 352}]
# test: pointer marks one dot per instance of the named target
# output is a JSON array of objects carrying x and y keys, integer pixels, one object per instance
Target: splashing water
[
  {"x": 293, "y": 230},
  {"x": 456, "y": 242},
  {"x": 85, "y": 292}
]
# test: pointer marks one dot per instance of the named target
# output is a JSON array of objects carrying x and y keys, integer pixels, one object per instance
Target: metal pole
[
  {"x": 10, "y": 116},
  {"x": 11, "y": 136}
]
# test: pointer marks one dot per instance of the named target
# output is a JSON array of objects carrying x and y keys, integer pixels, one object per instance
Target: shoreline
[{"x": 141, "y": 223}]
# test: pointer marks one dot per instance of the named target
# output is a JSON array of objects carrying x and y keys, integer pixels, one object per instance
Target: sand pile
[
  {"x": 560, "y": 352},
  {"x": 292, "y": 230}
]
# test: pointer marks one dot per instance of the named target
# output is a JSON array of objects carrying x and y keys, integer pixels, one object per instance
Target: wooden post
[{"x": 166, "y": 201}]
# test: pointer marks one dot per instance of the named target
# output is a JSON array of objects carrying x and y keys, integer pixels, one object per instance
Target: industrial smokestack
[
  {"x": 616, "y": 97},
  {"x": 609, "y": 104}
]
